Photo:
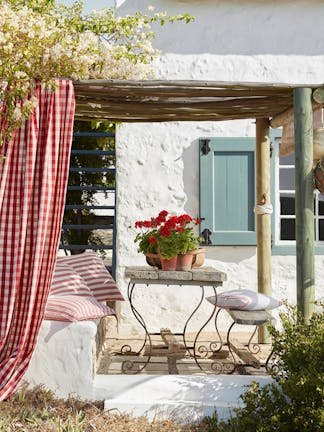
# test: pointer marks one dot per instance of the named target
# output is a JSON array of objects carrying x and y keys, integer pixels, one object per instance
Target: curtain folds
[{"x": 33, "y": 181}]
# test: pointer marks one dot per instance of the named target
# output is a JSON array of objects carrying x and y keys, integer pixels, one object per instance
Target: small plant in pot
[{"x": 169, "y": 237}]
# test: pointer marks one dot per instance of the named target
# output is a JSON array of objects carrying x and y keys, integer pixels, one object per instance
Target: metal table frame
[{"x": 192, "y": 351}]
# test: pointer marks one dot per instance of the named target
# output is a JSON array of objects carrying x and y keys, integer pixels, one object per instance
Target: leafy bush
[{"x": 294, "y": 402}]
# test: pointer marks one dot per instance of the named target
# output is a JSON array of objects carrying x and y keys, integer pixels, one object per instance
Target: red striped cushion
[
  {"x": 73, "y": 308},
  {"x": 91, "y": 267},
  {"x": 66, "y": 281}
]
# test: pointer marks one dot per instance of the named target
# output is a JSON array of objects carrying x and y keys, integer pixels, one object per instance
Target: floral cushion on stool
[{"x": 243, "y": 299}]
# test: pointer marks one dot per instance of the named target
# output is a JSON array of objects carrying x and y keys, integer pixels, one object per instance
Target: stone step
[{"x": 180, "y": 397}]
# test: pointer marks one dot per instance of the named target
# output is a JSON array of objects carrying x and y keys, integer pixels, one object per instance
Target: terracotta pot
[
  {"x": 169, "y": 264},
  {"x": 153, "y": 260},
  {"x": 184, "y": 262},
  {"x": 198, "y": 257}
]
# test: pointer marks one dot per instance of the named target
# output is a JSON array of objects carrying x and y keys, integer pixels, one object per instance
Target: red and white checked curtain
[{"x": 33, "y": 182}]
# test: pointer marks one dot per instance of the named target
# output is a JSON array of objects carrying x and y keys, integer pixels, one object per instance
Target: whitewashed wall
[{"x": 157, "y": 164}]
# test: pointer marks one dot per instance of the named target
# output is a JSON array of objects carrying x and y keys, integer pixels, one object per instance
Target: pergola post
[
  {"x": 304, "y": 201},
  {"x": 263, "y": 220}
]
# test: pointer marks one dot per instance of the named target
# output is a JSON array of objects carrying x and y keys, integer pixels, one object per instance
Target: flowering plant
[
  {"x": 167, "y": 235},
  {"x": 42, "y": 40}
]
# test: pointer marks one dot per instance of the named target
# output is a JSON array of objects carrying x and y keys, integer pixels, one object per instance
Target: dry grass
[{"x": 38, "y": 410}]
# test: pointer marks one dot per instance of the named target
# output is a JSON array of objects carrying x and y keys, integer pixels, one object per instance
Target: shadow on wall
[
  {"x": 226, "y": 254},
  {"x": 239, "y": 28}
]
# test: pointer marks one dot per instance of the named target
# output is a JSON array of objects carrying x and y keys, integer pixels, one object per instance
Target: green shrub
[{"x": 294, "y": 402}]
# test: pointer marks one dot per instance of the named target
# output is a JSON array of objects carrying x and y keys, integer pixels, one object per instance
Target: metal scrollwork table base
[
  {"x": 255, "y": 318},
  {"x": 201, "y": 277}
]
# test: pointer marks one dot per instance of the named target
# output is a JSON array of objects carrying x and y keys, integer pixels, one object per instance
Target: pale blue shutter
[{"x": 227, "y": 190}]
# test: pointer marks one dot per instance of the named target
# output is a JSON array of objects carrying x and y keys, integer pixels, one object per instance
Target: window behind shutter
[{"x": 227, "y": 190}]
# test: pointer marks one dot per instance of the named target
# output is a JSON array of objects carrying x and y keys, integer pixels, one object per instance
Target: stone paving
[{"x": 222, "y": 362}]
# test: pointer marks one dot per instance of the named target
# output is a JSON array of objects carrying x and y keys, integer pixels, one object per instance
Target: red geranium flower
[
  {"x": 167, "y": 235},
  {"x": 165, "y": 232},
  {"x": 163, "y": 214}
]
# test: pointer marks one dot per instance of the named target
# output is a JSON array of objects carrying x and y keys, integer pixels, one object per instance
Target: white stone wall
[
  {"x": 64, "y": 359},
  {"x": 157, "y": 163}
]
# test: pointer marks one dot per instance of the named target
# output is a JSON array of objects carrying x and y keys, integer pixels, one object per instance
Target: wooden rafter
[{"x": 140, "y": 101}]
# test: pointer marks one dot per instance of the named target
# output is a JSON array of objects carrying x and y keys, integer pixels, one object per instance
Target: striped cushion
[
  {"x": 74, "y": 308},
  {"x": 66, "y": 281},
  {"x": 91, "y": 267},
  {"x": 243, "y": 299}
]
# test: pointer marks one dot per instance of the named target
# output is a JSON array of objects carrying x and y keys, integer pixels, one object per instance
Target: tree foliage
[{"x": 40, "y": 41}]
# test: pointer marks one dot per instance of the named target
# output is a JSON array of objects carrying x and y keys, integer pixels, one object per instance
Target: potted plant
[{"x": 169, "y": 237}]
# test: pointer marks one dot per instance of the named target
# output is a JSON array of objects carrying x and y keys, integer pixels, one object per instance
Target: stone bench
[{"x": 67, "y": 354}]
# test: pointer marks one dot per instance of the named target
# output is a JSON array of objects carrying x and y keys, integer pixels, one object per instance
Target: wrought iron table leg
[
  {"x": 229, "y": 346},
  {"x": 253, "y": 348},
  {"x": 274, "y": 367},
  {"x": 213, "y": 345},
  {"x": 202, "y": 348},
  {"x": 188, "y": 320},
  {"x": 128, "y": 365}
]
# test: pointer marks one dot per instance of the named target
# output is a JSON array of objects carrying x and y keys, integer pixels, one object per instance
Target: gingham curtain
[{"x": 33, "y": 184}]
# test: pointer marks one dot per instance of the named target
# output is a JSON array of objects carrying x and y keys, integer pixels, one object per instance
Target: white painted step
[{"x": 182, "y": 398}]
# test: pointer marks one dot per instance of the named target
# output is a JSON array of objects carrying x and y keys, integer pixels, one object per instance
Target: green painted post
[{"x": 304, "y": 201}]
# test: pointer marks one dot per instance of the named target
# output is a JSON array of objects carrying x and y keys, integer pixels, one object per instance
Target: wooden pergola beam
[
  {"x": 318, "y": 96},
  {"x": 175, "y": 103},
  {"x": 180, "y": 93},
  {"x": 263, "y": 220},
  {"x": 304, "y": 201},
  {"x": 105, "y": 116},
  {"x": 287, "y": 116},
  {"x": 228, "y": 101},
  {"x": 194, "y": 84}
]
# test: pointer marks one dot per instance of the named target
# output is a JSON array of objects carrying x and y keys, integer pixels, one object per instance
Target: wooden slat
[
  {"x": 146, "y": 117},
  {"x": 187, "y": 113},
  {"x": 244, "y": 353},
  {"x": 192, "y": 83},
  {"x": 179, "y": 93},
  {"x": 90, "y": 115},
  {"x": 170, "y": 340},
  {"x": 162, "y": 351},
  {"x": 215, "y": 105}
]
